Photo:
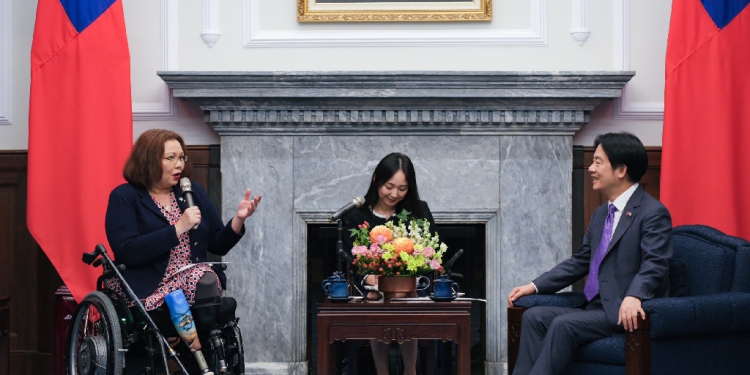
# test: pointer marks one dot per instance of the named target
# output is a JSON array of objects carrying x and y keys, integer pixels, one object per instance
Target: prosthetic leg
[
  {"x": 182, "y": 319},
  {"x": 207, "y": 313}
]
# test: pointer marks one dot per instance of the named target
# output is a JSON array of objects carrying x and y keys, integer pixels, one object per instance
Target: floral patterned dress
[{"x": 180, "y": 274}]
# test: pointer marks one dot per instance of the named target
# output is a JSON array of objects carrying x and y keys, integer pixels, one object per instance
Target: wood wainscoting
[{"x": 28, "y": 277}]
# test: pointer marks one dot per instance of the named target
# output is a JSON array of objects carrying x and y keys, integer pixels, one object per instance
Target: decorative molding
[
  {"x": 210, "y": 32},
  {"x": 6, "y": 62},
  {"x": 625, "y": 107},
  {"x": 254, "y": 37},
  {"x": 405, "y": 103},
  {"x": 403, "y": 122},
  {"x": 166, "y": 109},
  {"x": 580, "y": 30}
]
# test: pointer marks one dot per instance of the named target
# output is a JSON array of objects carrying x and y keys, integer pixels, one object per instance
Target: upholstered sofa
[{"x": 703, "y": 327}]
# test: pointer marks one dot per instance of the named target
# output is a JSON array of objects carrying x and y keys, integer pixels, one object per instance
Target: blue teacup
[
  {"x": 445, "y": 288},
  {"x": 336, "y": 288}
]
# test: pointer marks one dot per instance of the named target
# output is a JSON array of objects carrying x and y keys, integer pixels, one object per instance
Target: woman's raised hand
[
  {"x": 190, "y": 218},
  {"x": 245, "y": 209},
  {"x": 247, "y": 206}
]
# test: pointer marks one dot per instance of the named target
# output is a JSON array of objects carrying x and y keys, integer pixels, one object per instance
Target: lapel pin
[
  {"x": 629, "y": 213},
  {"x": 181, "y": 201}
]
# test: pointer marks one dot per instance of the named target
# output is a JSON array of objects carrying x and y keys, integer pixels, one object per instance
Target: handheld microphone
[
  {"x": 356, "y": 202},
  {"x": 187, "y": 192}
]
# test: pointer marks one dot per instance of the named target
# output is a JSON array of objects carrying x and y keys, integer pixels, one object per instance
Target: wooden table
[{"x": 386, "y": 322}]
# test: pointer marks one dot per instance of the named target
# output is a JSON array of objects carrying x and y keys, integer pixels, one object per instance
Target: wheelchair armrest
[
  {"x": 564, "y": 299},
  {"x": 714, "y": 314}
]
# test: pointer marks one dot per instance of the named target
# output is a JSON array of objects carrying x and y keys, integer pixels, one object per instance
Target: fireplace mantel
[
  {"x": 489, "y": 148},
  {"x": 406, "y": 103}
]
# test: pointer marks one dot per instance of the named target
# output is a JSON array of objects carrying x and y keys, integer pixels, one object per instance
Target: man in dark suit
[{"x": 625, "y": 253}]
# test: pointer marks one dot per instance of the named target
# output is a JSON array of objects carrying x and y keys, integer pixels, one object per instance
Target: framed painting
[{"x": 393, "y": 10}]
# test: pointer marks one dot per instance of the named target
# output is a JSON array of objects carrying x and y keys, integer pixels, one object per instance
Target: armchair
[{"x": 702, "y": 328}]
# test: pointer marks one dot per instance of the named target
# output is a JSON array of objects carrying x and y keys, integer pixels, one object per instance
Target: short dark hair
[
  {"x": 144, "y": 165},
  {"x": 624, "y": 149},
  {"x": 387, "y": 167}
]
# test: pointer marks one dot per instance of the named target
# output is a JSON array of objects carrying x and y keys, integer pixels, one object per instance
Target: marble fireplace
[{"x": 490, "y": 148}]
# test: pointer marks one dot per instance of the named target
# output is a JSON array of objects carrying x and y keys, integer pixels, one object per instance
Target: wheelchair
[{"x": 106, "y": 336}]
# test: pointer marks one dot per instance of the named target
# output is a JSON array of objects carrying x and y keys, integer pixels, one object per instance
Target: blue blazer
[
  {"x": 636, "y": 262},
  {"x": 141, "y": 237}
]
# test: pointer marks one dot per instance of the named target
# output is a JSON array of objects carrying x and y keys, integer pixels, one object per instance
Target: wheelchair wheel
[
  {"x": 235, "y": 352},
  {"x": 94, "y": 345}
]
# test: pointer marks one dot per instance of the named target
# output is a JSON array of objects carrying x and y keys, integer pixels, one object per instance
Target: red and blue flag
[
  {"x": 705, "y": 176},
  {"x": 80, "y": 129}
]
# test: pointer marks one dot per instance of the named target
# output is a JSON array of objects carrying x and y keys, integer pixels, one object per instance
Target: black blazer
[
  {"x": 141, "y": 237},
  {"x": 637, "y": 259}
]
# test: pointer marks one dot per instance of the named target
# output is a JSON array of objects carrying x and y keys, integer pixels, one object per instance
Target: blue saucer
[
  {"x": 441, "y": 299},
  {"x": 344, "y": 299}
]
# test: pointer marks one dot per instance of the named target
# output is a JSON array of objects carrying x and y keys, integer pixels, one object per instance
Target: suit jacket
[
  {"x": 141, "y": 237},
  {"x": 636, "y": 262}
]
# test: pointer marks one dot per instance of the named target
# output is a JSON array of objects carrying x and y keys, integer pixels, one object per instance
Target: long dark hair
[{"x": 385, "y": 170}]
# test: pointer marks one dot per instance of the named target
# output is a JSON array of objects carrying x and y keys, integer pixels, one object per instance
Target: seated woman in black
[
  {"x": 151, "y": 230},
  {"x": 393, "y": 188}
]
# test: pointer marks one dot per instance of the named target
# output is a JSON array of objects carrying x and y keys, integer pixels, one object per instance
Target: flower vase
[{"x": 397, "y": 287}]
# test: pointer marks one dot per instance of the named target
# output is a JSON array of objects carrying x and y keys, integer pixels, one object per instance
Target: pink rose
[
  {"x": 434, "y": 264},
  {"x": 374, "y": 249},
  {"x": 359, "y": 250},
  {"x": 381, "y": 239},
  {"x": 428, "y": 251}
]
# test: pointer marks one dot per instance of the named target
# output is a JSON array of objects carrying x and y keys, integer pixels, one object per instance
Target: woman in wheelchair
[{"x": 162, "y": 235}]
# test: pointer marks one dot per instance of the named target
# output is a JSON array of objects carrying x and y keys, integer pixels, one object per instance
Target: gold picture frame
[{"x": 402, "y": 11}]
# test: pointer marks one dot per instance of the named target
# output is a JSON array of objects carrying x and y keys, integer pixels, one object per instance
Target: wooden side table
[{"x": 401, "y": 322}]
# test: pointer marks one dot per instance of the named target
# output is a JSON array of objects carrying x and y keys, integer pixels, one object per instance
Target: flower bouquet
[{"x": 403, "y": 248}]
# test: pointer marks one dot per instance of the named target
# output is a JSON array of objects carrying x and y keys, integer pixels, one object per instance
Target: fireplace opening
[{"x": 469, "y": 272}]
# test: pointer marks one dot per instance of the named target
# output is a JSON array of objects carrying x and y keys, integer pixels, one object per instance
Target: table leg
[{"x": 464, "y": 347}]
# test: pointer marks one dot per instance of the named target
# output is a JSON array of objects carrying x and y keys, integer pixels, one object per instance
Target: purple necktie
[{"x": 592, "y": 284}]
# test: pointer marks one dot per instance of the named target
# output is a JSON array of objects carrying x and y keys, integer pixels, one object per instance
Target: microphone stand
[
  {"x": 346, "y": 257},
  {"x": 340, "y": 245}
]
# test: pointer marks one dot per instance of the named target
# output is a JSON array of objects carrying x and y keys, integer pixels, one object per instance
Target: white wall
[{"x": 264, "y": 35}]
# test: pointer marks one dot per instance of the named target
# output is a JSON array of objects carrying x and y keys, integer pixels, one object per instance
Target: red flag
[
  {"x": 80, "y": 129},
  {"x": 705, "y": 176}
]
